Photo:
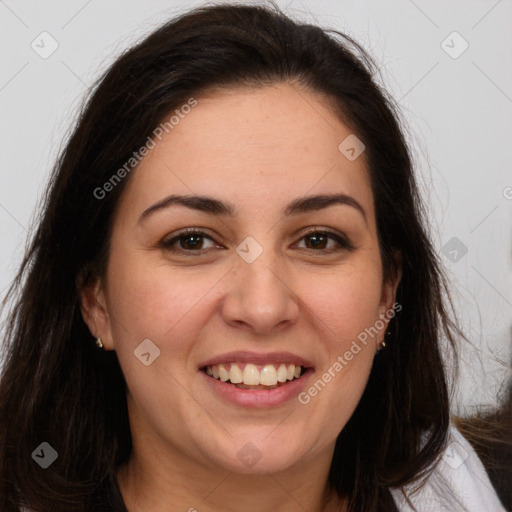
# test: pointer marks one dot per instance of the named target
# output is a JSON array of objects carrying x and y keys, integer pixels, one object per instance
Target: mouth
[
  {"x": 250, "y": 376},
  {"x": 255, "y": 380}
]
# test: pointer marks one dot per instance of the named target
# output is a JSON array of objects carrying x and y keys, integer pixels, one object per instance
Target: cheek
[
  {"x": 344, "y": 310},
  {"x": 152, "y": 301},
  {"x": 346, "y": 304},
  {"x": 342, "y": 314}
]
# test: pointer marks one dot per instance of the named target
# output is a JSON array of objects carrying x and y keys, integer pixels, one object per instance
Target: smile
[{"x": 252, "y": 376}]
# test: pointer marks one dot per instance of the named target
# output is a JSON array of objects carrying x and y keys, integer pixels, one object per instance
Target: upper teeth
[{"x": 252, "y": 375}]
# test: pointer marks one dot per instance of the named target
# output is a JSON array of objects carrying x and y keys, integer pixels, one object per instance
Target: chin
[{"x": 261, "y": 456}]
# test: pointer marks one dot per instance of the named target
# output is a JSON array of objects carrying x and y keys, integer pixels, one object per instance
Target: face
[{"x": 268, "y": 285}]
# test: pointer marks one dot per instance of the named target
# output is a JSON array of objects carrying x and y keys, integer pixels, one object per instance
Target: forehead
[{"x": 255, "y": 146}]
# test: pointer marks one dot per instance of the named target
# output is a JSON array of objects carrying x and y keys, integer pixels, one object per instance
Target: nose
[{"x": 260, "y": 296}]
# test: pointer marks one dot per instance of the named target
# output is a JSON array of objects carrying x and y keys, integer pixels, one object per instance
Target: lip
[
  {"x": 257, "y": 398},
  {"x": 258, "y": 358}
]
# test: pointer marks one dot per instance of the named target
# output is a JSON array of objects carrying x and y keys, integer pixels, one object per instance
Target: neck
[{"x": 156, "y": 482}]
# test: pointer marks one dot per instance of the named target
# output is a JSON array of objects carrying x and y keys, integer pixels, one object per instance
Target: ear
[
  {"x": 93, "y": 306},
  {"x": 388, "y": 295}
]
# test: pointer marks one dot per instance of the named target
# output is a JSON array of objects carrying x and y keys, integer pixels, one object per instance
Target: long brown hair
[{"x": 58, "y": 388}]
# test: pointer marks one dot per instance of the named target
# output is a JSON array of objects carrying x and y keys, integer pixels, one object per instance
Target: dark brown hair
[{"x": 57, "y": 387}]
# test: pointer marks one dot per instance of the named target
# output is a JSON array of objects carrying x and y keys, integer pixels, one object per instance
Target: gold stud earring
[
  {"x": 99, "y": 344},
  {"x": 382, "y": 344}
]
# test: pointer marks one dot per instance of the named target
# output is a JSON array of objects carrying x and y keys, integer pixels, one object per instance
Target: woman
[{"x": 231, "y": 301}]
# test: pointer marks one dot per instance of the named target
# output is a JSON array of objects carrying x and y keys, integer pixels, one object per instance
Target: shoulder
[{"x": 458, "y": 482}]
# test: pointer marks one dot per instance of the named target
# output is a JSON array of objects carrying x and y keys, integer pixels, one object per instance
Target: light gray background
[{"x": 458, "y": 112}]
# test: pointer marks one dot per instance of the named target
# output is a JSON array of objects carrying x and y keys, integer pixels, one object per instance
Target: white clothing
[{"x": 460, "y": 473}]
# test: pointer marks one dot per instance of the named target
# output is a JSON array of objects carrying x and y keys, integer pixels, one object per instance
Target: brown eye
[
  {"x": 191, "y": 242},
  {"x": 325, "y": 241},
  {"x": 317, "y": 241}
]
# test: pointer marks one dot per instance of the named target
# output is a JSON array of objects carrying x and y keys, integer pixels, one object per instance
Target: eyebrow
[{"x": 214, "y": 206}]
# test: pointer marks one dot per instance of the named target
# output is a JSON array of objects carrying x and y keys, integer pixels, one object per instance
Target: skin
[{"x": 258, "y": 149}]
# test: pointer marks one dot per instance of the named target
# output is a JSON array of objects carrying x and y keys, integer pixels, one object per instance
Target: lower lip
[{"x": 258, "y": 397}]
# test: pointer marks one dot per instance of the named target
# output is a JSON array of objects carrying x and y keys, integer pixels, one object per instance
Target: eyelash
[{"x": 344, "y": 243}]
